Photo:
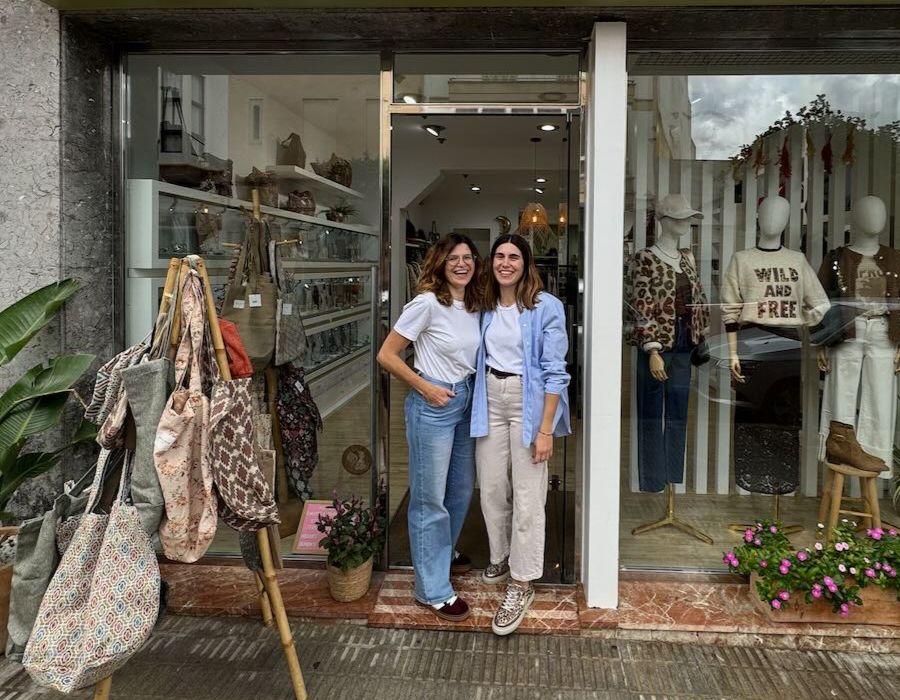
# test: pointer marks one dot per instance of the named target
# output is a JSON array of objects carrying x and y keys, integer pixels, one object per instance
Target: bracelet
[{"x": 541, "y": 432}]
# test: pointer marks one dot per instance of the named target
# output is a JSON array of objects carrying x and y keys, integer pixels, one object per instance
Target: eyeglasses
[{"x": 454, "y": 259}]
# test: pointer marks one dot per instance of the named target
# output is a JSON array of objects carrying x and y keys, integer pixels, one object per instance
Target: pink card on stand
[{"x": 307, "y": 540}]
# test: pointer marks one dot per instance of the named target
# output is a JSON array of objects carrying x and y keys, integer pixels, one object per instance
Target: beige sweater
[{"x": 771, "y": 288}]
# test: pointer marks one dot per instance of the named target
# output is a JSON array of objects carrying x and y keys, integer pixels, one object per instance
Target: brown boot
[{"x": 841, "y": 447}]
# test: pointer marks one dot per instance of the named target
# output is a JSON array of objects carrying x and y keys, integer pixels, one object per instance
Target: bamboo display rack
[{"x": 271, "y": 602}]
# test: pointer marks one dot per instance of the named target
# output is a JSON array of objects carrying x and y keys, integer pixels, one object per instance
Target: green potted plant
[
  {"x": 354, "y": 536},
  {"x": 340, "y": 212},
  {"x": 825, "y": 582},
  {"x": 31, "y": 405}
]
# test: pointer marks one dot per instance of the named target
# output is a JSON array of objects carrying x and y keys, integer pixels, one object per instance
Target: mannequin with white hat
[{"x": 671, "y": 321}]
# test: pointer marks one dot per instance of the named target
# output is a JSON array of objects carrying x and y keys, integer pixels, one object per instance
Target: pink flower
[
  {"x": 828, "y": 581},
  {"x": 763, "y": 563},
  {"x": 845, "y": 607},
  {"x": 784, "y": 595},
  {"x": 844, "y": 613},
  {"x": 878, "y": 566},
  {"x": 853, "y": 571},
  {"x": 842, "y": 568},
  {"x": 870, "y": 573},
  {"x": 893, "y": 573},
  {"x": 748, "y": 535},
  {"x": 892, "y": 532},
  {"x": 832, "y": 588},
  {"x": 802, "y": 555},
  {"x": 875, "y": 533},
  {"x": 784, "y": 570},
  {"x": 786, "y": 562},
  {"x": 757, "y": 542},
  {"x": 816, "y": 592},
  {"x": 776, "y": 603},
  {"x": 818, "y": 546},
  {"x": 773, "y": 529}
]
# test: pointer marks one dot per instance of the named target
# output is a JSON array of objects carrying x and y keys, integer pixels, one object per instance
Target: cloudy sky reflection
[{"x": 729, "y": 111}]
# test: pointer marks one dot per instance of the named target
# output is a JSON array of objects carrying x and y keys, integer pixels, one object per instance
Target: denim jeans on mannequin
[
  {"x": 662, "y": 409},
  {"x": 441, "y": 481}
]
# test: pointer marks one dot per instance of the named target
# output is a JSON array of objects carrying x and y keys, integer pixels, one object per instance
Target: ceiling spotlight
[
  {"x": 475, "y": 188},
  {"x": 434, "y": 129},
  {"x": 540, "y": 180},
  {"x": 539, "y": 190},
  {"x": 548, "y": 127},
  {"x": 409, "y": 99}
]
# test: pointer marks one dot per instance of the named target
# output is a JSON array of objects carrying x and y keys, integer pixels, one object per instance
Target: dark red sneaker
[
  {"x": 457, "y": 611},
  {"x": 460, "y": 564}
]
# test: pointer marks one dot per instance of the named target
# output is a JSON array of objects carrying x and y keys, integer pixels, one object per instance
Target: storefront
[{"x": 644, "y": 132}]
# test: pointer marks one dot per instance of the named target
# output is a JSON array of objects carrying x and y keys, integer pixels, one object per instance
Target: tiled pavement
[{"x": 225, "y": 658}]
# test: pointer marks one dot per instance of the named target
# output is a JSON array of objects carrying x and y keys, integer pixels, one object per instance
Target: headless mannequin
[
  {"x": 669, "y": 233},
  {"x": 869, "y": 219},
  {"x": 773, "y": 215}
]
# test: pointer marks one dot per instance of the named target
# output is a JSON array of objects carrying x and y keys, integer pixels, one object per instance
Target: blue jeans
[
  {"x": 662, "y": 409},
  {"x": 441, "y": 481}
]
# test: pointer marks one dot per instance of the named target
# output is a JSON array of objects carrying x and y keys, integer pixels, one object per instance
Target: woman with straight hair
[
  {"x": 520, "y": 404},
  {"x": 442, "y": 322}
]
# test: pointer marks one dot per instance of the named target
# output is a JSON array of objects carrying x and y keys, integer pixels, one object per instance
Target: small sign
[
  {"x": 239, "y": 303},
  {"x": 255, "y": 300},
  {"x": 287, "y": 309},
  {"x": 307, "y": 540}
]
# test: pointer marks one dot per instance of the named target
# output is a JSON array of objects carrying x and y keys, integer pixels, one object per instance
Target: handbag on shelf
[
  {"x": 302, "y": 202},
  {"x": 291, "y": 152},
  {"x": 103, "y": 602},
  {"x": 180, "y": 450},
  {"x": 250, "y": 300}
]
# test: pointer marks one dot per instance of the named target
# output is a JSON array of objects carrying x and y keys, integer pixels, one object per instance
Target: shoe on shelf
[
  {"x": 496, "y": 573},
  {"x": 460, "y": 563},
  {"x": 842, "y": 447},
  {"x": 512, "y": 610},
  {"x": 453, "y": 610}
]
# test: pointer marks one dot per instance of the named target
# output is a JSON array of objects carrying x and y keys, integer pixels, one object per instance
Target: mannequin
[
  {"x": 672, "y": 319},
  {"x": 861, "y": 366},
  {"x": 769, "y": 293}
]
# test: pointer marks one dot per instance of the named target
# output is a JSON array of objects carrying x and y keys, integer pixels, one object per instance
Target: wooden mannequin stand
[
  {"x": 271, "y": 601},
  {"x": 670, "y": 519},
  {"x": 776, "y": 516}
]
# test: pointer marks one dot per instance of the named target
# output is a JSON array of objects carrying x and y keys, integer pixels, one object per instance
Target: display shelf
[
  {"x": 326, "y": 265},
  {"x": 314, "y": 318},
  {"x": 322, "y": 186},
  {"x": 337, "y": 363},
  {"x": 327, "y": 324},
  {"x": 338, "y": 396}
]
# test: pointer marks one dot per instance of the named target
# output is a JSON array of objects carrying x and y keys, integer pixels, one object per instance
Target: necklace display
[{"x": 675, "y": 258}]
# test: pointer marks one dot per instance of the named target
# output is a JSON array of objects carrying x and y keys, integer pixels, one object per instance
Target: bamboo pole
[
  {"x": 214, "y": 331},
  {"x": 263, "y": 599},
  {"x": 269, "y": 579},
  {"x": 281, "y": 481},
  {"x": 176, "y": 322},
  {"x": 166, "y": 301},
  {"x": 103, "y": 688}
]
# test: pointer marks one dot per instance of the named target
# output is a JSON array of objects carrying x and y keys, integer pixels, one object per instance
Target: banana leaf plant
[{"x": 36, "y": 401}]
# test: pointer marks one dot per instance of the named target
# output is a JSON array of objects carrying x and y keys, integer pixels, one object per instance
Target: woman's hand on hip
[
  {"x": 437, "y": 395},
  {"x": 541, "y": 448}
]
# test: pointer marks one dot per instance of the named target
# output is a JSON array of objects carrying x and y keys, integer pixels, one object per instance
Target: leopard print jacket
[{"x": 651, "y": 295}]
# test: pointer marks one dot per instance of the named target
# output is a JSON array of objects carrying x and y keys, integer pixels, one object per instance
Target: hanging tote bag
[
  {"x": 290, "y": 336},
  {"x": 250, "y": 300},
  {"x": 102, "y": 603},
  {"x": 180, "y": 451},
  {"x": 246, "y": 500},
  {"x": 300, "y": 421}
]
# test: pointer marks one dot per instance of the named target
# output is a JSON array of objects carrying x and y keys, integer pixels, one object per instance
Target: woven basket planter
[{"x": 350, "y": 585}]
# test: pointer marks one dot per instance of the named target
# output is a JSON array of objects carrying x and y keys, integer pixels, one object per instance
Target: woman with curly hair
[
  {"x": 442, "y": 322},
  {"x": 520, "y": 404}
]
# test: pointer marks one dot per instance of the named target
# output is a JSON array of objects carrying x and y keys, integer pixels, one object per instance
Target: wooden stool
[{"x": 833, "y": 493}]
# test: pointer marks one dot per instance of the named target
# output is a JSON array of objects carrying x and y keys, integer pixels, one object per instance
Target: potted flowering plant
[
  {"x": 825, "y": 579},
  {"x": 354, "y": 535}
]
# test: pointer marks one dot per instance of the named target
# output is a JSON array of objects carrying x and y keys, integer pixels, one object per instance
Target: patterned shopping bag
[
  {"x": 180, "y": 450},
  {"x": 102, "y": 603},
  {"x": 246, "y": 500}
]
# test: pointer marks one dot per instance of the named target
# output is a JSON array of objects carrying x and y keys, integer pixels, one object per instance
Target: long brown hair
[
  {"x": 529, "y": 285},
  {"x": 433, "y": 277}
]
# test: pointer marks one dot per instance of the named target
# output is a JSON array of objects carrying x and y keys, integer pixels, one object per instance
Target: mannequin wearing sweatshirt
[
  {"x": 769, "y": 293},
  {"x": 861, "y": 368}
]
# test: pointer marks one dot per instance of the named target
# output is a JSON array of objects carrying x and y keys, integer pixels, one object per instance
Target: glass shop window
[
  {"x": 761, "y": 323},
  {"x": 486, "y": 78},
  {"x": 205, "y": 133}
]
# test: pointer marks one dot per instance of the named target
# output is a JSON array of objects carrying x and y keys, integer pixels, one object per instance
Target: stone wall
[{"x": 29, "y": 162}]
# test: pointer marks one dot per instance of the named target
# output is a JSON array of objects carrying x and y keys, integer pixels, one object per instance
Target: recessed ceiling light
[
  {"x": 548, "y": 127},
  {"x": 539, "y": 190},
  {"x": 434, "y": 129},
  {"x": 540, "y": 180},
  {"x": 475, "y": 188},
  {"x": 409, "y": 99}
]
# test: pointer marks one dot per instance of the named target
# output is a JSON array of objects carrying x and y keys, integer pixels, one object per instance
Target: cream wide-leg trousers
[
  {"x": 513, "y": 490},
  {"x": 862, "y": 374}
]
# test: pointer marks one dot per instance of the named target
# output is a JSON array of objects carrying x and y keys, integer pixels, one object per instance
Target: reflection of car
[{"x": 774, "y": 359}]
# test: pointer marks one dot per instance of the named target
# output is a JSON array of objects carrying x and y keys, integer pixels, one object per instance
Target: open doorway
[{"x": 475, "y": 174}]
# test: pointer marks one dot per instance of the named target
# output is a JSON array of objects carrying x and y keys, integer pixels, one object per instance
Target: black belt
[{"x": 501, "y": 375}]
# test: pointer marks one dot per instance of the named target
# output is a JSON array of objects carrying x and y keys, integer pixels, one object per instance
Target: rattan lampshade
[{"x": 534, "y": 225}]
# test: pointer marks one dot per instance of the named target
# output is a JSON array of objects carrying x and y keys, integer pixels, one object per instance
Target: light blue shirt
[{"x": 544, "y": 347}]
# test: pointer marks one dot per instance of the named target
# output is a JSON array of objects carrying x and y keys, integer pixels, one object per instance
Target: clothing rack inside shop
[{"x": 271, "y": 602}]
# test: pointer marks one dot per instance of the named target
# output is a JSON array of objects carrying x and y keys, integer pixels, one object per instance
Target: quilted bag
[
  {"x": 246, "y": 500},
  {"x": 290, "y": 336},
  {"x": 300, "y": 420},
  {"x": 180, "y": 450},
  {"x": 103, "y": 601}
]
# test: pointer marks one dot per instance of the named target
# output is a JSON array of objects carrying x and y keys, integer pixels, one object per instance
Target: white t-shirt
[
  {"x": 446, "y": 338},
  {"x": 503, "y": 340}
]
